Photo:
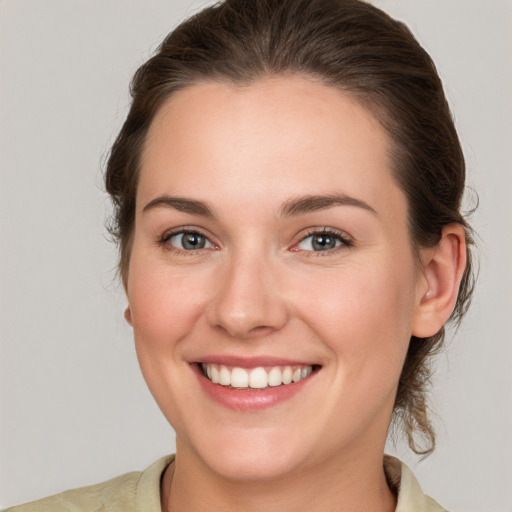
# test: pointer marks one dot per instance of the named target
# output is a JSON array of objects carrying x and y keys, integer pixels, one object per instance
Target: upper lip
[{"x": 251, "y": 362}]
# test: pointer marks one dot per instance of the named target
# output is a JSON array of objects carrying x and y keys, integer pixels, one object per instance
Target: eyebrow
[
  {"x": 311, "y": 203},
  {"x": 293, "y": 207},
  {"x": 181, "y": 204}
]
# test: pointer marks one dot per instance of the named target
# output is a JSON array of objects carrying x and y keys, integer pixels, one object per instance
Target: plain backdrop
[{"x": 74, "y": 408}]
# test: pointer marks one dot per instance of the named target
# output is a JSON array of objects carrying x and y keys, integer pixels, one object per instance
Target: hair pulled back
[{"x": 350, "y": 45}]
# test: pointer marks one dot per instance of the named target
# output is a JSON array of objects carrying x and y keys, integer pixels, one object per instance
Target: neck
[{"x": 356, "y": 484}]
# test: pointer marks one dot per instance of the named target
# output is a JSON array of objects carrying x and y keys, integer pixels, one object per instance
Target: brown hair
[{"x": 350, "y": 45}]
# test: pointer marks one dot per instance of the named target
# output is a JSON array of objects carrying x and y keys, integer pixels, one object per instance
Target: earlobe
[
  {"x": 128, "y": 315},
  {"x": 443, "y": 267}
]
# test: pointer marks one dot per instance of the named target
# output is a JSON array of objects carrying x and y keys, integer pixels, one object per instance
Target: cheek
[
  {"x": 165, "y": 305},
  {"x": 363, "y": 313}
]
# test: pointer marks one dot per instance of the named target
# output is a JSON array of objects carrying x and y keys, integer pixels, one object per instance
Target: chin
[
  {"x": 254, "y": 467},
  {"x": 251, "y": 455}
]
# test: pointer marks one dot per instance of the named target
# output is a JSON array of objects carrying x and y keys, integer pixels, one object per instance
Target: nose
[{"x": 249, "y": 302}]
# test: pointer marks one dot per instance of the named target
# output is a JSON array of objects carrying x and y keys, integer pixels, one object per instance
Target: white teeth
[
  {"x": 239, "y": 378},
  {"x": 255, "y": 378},
  {"x": 224, "y": 376},
  {"x": 305, "y": 372},
  {"x": 287, "y": 375},
  {"x": 258, "y": 378},
  {"x": 215, "y": 377},
  {"x": 275, "y": 377}
]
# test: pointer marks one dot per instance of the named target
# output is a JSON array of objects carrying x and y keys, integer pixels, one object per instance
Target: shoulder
[
  {"x": 409, "y": 493},
  {"x": 132, "y": 492}
]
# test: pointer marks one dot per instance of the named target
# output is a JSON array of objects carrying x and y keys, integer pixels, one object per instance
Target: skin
[{"x": 257, "y": 288}]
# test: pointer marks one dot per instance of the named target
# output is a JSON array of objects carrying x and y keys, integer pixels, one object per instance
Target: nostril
[{"x": 261, "y": 330}]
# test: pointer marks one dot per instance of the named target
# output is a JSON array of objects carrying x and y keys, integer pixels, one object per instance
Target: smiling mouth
[{"x": 255, "y": 378}]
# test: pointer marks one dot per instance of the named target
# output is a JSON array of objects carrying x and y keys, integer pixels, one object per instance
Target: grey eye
[
  {"x": 189, "y": 241},
  {"x": 320, "y": 242}
]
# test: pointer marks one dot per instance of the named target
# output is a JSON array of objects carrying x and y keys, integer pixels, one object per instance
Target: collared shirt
[
  {"x": 410, "y": 496},
  {"x": 140, "y": 492}
]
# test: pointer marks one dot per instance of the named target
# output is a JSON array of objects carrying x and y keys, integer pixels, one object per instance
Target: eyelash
[
  {"x": 343, "y": 238},
  {"x": 166, "y": 237},
  {"x": 346, "y": 241}
]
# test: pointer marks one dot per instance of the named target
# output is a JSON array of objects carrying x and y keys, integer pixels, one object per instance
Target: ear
[
  {"x": 442, "y": 270},
  {"x": 128, "y": 315}
]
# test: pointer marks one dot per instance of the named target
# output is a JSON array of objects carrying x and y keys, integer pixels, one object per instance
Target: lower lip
[{"x": 247, "y": 399}]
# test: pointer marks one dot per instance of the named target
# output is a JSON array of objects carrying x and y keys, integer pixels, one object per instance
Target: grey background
[{"x": 74, "y": 408}]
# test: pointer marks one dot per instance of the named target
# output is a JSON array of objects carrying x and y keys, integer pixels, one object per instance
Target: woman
[{"x": 287, "y": 189}]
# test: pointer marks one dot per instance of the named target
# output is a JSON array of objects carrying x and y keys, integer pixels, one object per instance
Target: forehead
[{"x": 272, "y": 137}]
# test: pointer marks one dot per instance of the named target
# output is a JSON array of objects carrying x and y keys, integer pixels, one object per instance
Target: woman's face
[{"x": 271, "y": 242}]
